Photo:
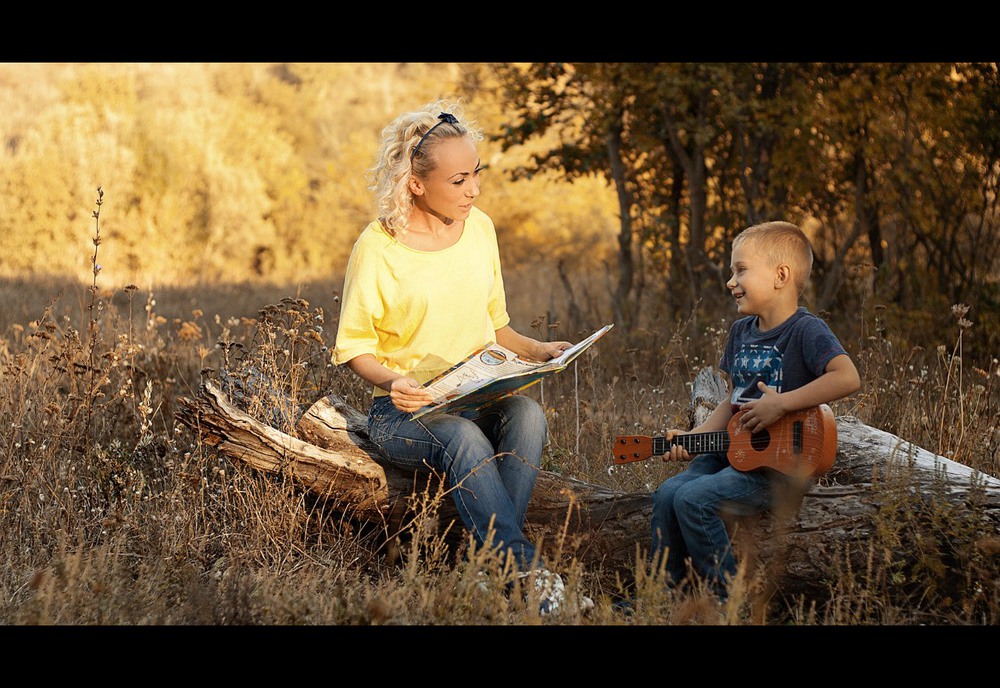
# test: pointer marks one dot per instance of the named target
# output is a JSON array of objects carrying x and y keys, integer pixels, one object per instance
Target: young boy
[{"x": 779, "y": 358}]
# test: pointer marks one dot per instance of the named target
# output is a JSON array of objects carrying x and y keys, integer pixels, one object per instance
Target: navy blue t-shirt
[{"x": 786, "y": 357}]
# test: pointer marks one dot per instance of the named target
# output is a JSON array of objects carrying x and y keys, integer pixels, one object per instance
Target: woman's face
[{"x": 451, "y": 189}]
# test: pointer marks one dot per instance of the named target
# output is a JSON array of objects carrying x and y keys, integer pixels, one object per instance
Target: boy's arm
[
  {"x": 717, "y": 420},
  {"x": 840, "y": 380}
]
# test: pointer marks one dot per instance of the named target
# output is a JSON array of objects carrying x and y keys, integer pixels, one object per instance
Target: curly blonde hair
[{"x": 396, "y": 158}]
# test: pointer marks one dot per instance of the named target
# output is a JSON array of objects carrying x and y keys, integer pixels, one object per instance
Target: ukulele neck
[{"x": 697, "y": 443}]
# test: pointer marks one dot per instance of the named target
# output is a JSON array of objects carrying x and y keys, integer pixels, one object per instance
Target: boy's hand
[
  {"x": 760, "y": 413},
  {"x": 676, "y": 452}
]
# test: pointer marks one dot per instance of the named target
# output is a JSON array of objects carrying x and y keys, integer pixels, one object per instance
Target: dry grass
[{"x": 114, "y": 514}]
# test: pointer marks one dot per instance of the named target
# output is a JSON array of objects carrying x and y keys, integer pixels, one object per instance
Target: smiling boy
[{"x": 779, "y": 358}]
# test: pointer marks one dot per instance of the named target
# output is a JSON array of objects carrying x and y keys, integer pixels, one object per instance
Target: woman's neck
[{"x": 429, "y": 231}]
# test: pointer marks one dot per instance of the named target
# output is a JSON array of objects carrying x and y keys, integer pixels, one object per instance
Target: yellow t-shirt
[{"x": 421, "y": 312}]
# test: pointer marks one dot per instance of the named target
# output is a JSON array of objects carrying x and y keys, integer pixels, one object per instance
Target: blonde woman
[{"x": 423, "y": 289}]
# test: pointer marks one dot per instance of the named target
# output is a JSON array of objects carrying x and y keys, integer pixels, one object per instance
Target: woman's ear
[{"x": 415, "y": 185}]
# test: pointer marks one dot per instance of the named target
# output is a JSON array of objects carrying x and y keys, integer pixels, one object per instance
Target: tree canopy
[
  {"x": 891, "y": 168},
  {"x": 623, "y": 182}
]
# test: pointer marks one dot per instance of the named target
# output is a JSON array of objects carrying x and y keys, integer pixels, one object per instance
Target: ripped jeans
[{"x": 490, "y": 458}]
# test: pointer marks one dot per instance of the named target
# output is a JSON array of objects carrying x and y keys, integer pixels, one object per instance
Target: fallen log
[
  {"x": 806, "y": 552},
  {"x": 333, "y": 459}
]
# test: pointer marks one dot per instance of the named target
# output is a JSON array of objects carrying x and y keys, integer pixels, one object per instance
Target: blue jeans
[
  {"x": 687, "y": 519},
  {"x": 490, "y": 458}
]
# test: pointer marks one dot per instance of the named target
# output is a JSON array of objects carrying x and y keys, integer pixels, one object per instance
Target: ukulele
[{"x": 802, "y": 443}]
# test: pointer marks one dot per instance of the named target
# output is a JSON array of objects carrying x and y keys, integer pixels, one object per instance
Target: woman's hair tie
[{"x": 442, "y": 118}]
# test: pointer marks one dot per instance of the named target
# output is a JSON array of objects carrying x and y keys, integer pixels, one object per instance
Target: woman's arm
[
  {"x": 406, "y": 393},
  {"x": 528, "y": 348}
]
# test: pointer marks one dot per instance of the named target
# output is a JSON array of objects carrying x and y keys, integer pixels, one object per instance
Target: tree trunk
[{"x": 804, "y": 547}]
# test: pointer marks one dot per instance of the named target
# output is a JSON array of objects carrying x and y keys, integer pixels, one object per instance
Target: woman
[{"x": 423, "y": 289}]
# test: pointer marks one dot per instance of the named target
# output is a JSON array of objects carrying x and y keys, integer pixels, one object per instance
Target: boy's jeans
[
  {"x": 490, "y": 458},
  {"x": 687, "y": 517}
]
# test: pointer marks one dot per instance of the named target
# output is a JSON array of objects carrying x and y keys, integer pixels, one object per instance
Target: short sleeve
[
  {"x": 361, "y": 305},
  {"x": 498, "y": 296}
]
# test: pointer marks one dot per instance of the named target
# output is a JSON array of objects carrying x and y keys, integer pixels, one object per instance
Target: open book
[{"x": 493, "y": 372}]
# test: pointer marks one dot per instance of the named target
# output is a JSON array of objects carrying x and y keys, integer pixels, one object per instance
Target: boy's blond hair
[{"x": 781, "y": 242}]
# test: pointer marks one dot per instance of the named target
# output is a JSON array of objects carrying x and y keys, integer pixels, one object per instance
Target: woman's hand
[
  {"x": 528, "y": 348},
  {"x": 553, "y": 349},
  {"x": 408, "y": 395}
]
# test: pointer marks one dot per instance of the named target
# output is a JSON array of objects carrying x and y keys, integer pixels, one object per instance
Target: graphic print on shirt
[{"x": 755, "y": 363}]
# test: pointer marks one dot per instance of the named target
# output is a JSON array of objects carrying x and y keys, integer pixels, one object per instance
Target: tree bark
[{"x": 805, "y": 547}]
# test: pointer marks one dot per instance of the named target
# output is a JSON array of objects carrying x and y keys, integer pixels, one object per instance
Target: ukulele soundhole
[{"x": 760, "y": 441}]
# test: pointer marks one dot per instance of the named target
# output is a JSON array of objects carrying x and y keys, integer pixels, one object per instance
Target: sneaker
[
  {"x": 551, "y": 592},
  {"x": 549, "y": 588},
  {"x": 492, "y": 582},
  {"x": 624, "y": 606}
]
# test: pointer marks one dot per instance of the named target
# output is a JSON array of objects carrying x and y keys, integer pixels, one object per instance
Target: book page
[
  {"x": 494, "y": 371},
  {"x": 488, "y": 393},
  {"x": 481, "y": 367},
  {"x": 575, "y": 350}
]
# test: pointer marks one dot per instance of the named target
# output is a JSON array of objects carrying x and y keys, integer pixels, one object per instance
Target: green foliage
[
  {"x": 157, "y": 528},
  {"x": 890, "y": 167},
  {"x": 221, "y": 172},
  {"x": 227, "y": 180}
]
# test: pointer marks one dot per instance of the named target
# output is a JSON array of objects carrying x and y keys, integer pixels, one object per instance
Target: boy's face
[{"x": 753, "y": 281}]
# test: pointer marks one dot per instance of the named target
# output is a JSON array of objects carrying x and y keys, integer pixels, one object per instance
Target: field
[
  {"x": 115, "y": 514},
  {"x": 235, "y": 192}
]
